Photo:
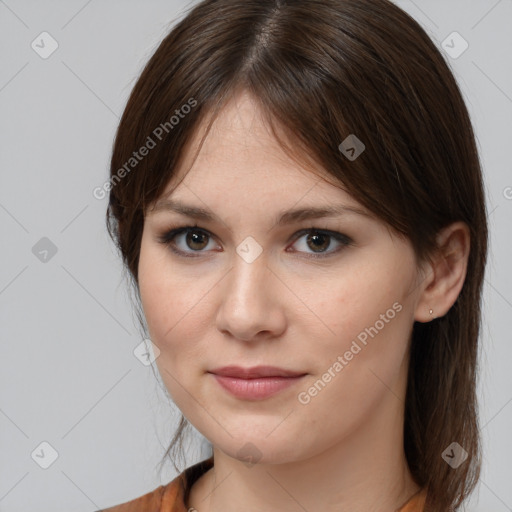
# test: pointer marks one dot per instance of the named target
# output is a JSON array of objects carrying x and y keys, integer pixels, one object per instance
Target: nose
[{"x": 251, "y": 306}]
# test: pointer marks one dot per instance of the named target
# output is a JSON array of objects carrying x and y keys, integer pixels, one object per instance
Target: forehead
[{"x": 240, "y": 155}]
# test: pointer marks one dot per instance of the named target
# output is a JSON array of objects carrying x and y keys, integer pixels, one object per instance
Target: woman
[{"x": 297, "y": 196}]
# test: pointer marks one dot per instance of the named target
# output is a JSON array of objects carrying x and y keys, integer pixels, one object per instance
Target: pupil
[
  {"x": 192, "y": 238},
  {"x": 315, "y": 237}
]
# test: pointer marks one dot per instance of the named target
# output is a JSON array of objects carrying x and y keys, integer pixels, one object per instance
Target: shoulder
[
  {"x": 166, "y": 498},
  {"x": 150, "y": 502}
]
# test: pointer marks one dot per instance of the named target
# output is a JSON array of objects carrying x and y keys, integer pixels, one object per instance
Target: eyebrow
[{"x": 283, "y": 218}]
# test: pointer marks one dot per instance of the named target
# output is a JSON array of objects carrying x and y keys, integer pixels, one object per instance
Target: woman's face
[{"x": 253, "y": 286}]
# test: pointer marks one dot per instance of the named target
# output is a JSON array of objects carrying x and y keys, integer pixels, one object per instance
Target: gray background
[{"x": 68, "y": 374}]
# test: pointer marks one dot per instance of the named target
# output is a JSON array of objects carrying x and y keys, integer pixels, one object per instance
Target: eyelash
[{"x": 168, "y": 240}]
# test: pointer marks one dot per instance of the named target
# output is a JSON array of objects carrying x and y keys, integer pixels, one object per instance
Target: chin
[{"x": 260, "y": 450}]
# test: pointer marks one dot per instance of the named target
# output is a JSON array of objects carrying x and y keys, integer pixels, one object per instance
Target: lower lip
[{"x": 256, "y": 389}]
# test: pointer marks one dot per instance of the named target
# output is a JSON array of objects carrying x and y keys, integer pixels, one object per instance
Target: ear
[{"x": 446, "y": 274}]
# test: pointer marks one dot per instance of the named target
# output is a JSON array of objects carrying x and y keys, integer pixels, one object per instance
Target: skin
[{"x": 343, "y": 450}]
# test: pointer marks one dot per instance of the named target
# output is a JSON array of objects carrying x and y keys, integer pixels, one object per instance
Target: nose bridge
[
  {"x": 246, "y": 305},
  {"x": 247, "y": 279}
]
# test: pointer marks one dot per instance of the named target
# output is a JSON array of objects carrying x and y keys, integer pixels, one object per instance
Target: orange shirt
[{"x": 173, "y": 496}]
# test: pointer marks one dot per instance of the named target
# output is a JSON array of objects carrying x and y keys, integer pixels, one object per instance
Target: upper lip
[{"x": 255, "y": 372}]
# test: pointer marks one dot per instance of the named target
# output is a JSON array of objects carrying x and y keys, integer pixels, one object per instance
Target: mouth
[{"x": 256, "y": 383}]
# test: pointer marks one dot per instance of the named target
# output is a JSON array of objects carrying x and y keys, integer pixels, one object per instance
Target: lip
[
  {"x": 255, "y": 372},
  {"x": 256, "y": 383}
]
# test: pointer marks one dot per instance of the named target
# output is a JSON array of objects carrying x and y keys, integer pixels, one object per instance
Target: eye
[
  {"x": 194, "y": 238},
  {"x": 187, "y": 240},
  {"x": 320, "y": 240}
]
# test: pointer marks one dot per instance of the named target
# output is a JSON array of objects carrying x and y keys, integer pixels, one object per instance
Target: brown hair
[{"x": 322, "y": 70}]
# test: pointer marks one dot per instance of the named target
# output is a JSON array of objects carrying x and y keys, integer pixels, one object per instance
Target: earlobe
[{"x": 448, "y": 272}]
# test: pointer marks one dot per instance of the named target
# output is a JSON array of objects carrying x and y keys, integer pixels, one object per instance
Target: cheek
[
  {"x": 366, "y": 319},
  {"x": 355, "y": 377},
  {"x": 163, "y": 294},
  {"x": 175, "y": 311},
  {"x": 355, "y": 301},
  {"x": 160, "y": 295}
]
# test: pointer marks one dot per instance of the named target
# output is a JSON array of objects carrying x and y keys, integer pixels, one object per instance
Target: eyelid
[
  {"x": 341, "y": 238},
  {"x": 170, "y": 235},
  {"x": 333, "y": 234}
]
